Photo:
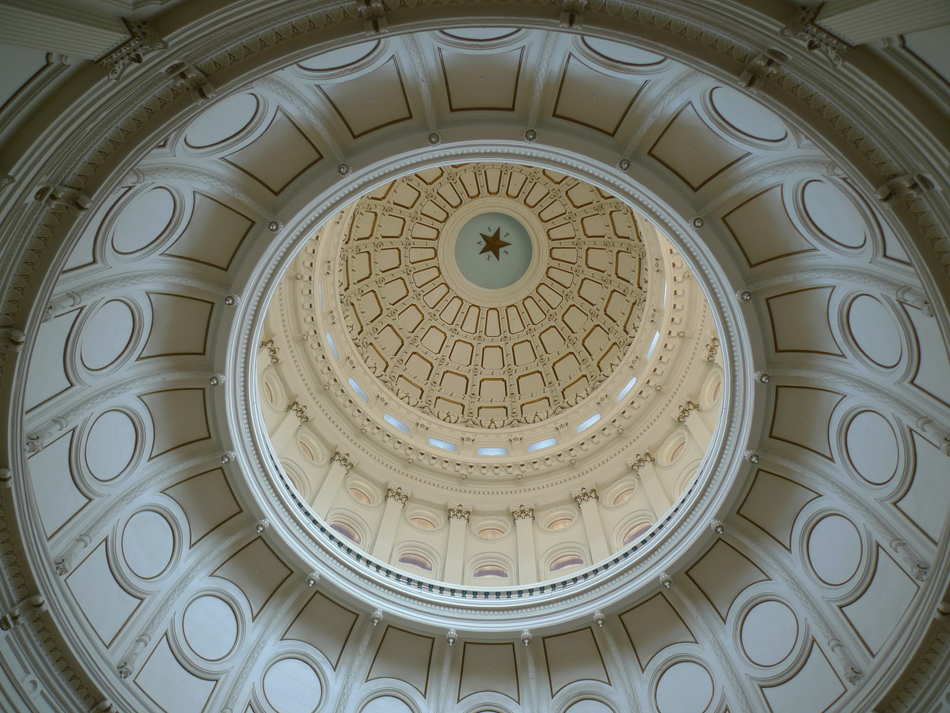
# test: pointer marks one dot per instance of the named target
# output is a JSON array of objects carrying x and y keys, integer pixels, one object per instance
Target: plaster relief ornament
[{"x": 493, "y": 244}]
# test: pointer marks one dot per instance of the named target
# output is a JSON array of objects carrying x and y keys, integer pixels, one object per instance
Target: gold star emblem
[{"x": 493, "y": 243}]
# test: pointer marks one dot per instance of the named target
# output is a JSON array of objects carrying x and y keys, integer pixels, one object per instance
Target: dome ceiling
[
  {"x": 500, "y": 357},
  {"x": 187, "y": 441}
]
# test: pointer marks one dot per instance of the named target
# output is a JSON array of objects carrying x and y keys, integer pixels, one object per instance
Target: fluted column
[
  {"x": 644, "y": 465},
  {"x": 395, "y": 501},
  {"x": 455, "y": 553},
  {"x": 64, "y": 27},
  {"x": 860, "y": 21},
  {"x": 524, "y": 531},
  {"x": 694, "y": 423},
  {"x": 285, "y": 431},
  {"x": 340, "y": 465},
  {"x": 586, "y": 500}
]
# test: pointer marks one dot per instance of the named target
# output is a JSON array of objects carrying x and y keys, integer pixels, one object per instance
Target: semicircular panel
[
  {"x": 143, "y": 221},
  {"x": 768, "y": 633},
  {"x": 875, "y": 331},
  {"x": 292, "y": 686},
  {"x": 110, "y": 445},
  {"x": 685, "y": 687},
  {"x": 222, "y": 121},
  {"x": 210, "y": 627},
  {"x": 835, "y": 549},
  {"x": 106, "y": 335},
  {"x": 148, "y": 544},
  {"x": 872, "y": 447}
]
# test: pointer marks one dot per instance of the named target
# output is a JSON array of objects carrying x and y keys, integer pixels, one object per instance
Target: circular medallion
[{"x": 493, "y": 250}]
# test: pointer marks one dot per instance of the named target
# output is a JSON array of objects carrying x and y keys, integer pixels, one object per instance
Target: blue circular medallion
[{"x": 493, "y": 250}]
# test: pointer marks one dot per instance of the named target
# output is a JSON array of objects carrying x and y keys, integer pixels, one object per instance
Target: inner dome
[{"x": 490, "y": 374}]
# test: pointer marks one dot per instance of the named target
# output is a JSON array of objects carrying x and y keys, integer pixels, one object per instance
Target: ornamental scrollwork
[
  {"x": 397, "y": 494},
  {"x": 586, "y": 495},
  {"x": 344, "y": 460},
  {"x": 300, "y": 411},
  {"x": 522, "y": 512},
  {"x": 685, "y": 410},
  {"x": 460, "y": 512}
]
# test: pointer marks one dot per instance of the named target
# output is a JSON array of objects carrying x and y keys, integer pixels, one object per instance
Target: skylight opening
[
  {"x": 332, "y": 346},
  {"x": 588, "y": 423},
  {"x": 626, "y": 389},
  {"x": 359, "y": 390},
  {"x": 393, "y": 421},
  {"x": 656, "y": 338},
  {"x": 492, "y": 451},
  {"x": 546, "y": 443},
  {"x": 445, "y": 445}
]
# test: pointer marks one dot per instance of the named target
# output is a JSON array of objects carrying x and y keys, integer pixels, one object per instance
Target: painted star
[{"x": 493, "y": 243}]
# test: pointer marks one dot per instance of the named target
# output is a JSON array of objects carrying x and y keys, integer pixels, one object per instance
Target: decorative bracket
[
  {"x": 142, "y": 40},
  {"x": 373, "y": 13},
  {"x": 817, "y": 39}
]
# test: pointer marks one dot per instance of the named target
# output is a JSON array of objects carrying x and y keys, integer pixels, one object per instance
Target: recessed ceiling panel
[
  {"x": 594, "y": 99},
  {"x": 370, "y": 102},
  {"x": 213, "y": 233},
  {"x": 485, "y": 80},
  {"x": 763, "y": 230}
]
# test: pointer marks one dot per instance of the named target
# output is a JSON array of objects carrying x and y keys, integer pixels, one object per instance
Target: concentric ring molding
[{"x": 38, "y": 558}]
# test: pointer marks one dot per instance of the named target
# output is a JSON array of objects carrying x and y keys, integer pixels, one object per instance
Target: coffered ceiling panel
[
  {"x": 257, "y": 571},
  {"x": 487, "y": 80},
  {"x": 325, "y": 625},
  {"x": 405, "y": 656},
  {"x": 489, "y": 667},
  {"x": 371, "y": 101},
  {"x": 572, "y": 657},
  {"x": 172, "y": 687},
  {"x": 722, "y": 574},
  {"x": 876, "y": 613},
  {"x": 801, "y": 321},
  {"x": 814, "y": 689},
  {"x": 207, "y": 501},
  {"x": 693, "y": 151},
  {"x": 276, "y": 157},
  {"x": 594, "y": 99},
  {"x": 179, "y": 417},
  {"x": 763, "y": 230},
  {"x": 774, "y": 503},
  {"x": 52, "y": 379},
  {"x": 652, "y": 626},
  {"x": 103, "y": 600},
  {"x": 57, "y": 496},
  {"x": 179, "y": 326},
  {"x": 933, "y": 371},
  {"x": 213, "y": 233},
  {"x": 929, "y": 492},
  {"x": 802, "y": 417}
]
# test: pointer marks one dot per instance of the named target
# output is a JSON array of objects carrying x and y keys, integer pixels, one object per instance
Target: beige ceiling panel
[
  {"x": 925, "y": 502},
  {"x": 814, "y": 689},
  {"x": 593, "y": 99},
  {"x": 257, "y": 571},
  {"x": 170, "y": 685},
  {"x": 371, "y": 101},
  {"x": 572, "y": 657},
  {"x": 652, "y": 626},
  {"x": 487, "y": 80},
  {"x": 763, "y": 230},
  {"x": 48, "y": 377},
  {"x": 933, "y": 370},
  {"x": 179, "y": 416},
  {"x": 801, "y": 323},
  {"x": 179, "y": 326},
  {"x": 57, "y": 497},
  {"x": 876, "y": 613},
  {"x": 773, "y": 504},
  {"x": 404, "y": 656},
  {"x": 722, "y": 574},
  {"x": 325, "y": 625},
  {"x": 278, "y": 156},
  {"x": 489, "y": 667},
  {"x": 207, "y": 500},
  {"x": 213, "y": 234},
  {"x": 693, "y": 151},
  {"x": 802, "y": 417},
  {"x": 106, "y": 605}
]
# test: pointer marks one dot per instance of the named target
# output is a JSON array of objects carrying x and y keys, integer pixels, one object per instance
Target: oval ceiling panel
[
  {"x": 143, "y": 221},
  {"x": 833, "y": 213},
  {"x": 684, "y": 687},
  {"x": 338, "y": 59},
  {"x": 834, "y": 549},
  {"x": 746, "y": 115},
  {"x": 292, "y": 686},
  {"x": 621, "y": 53},
  {"x": 222, "y": 121},
  {"x": 106, "y": 335},
  {"x": 875, "y": 331},
  {"x": 210, "y": 627},
  {"x": 110, "y": 445},
  {"x": 769, "y": 632},
  {"x": 872, "y": 447},
  {"x": 148, "y": 543}
]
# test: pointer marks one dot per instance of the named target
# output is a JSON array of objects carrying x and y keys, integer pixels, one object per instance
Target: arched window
[
  {"x": 491, "y": 533},
  {"x": 416, "y": 560},
  {"x": 624, "y": 495},
  {"x": 422, "y": 523},
  {"x": 560, "y": 523},
  {"x": 490, "y": 570},
  {"x": 345, "y": 530},
  {"x": 635, "y": 532},
  {"x": 360, "y": 496},
  {"x": 565, "y": 561}
]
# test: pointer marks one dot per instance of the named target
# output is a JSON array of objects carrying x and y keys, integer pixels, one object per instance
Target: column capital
[
  {"x": 344, "y": 460},
  {"x": 586, "y": 495},
  {"x": 460, "y": 512},
  {"x": 685, "y": 410},
  {"x": 641, "y": 460},
  {"x": 397, "y": 494},
  {"x": 300, "y": 411},
  {"x": 522, "y": 512}
]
